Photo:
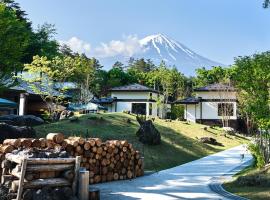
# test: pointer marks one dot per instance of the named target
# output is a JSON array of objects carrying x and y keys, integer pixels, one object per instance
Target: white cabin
[
  {"x": 137, "y": 99},
  {"x": 211, "y": 104}
]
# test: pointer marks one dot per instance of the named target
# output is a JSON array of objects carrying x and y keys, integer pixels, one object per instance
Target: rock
[
  {"x": 147, "y": 133},
  {"x": 229, "y": 130},
  {"x": 12, "y": 132},
  {"x": 24, "y": 120},
  {"x": 210, "y": 140},
  {"x": 66, "y": 114}
]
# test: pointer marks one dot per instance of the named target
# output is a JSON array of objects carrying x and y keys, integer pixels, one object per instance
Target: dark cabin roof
[
  {"x": 133, "y": 88},
  {"x": 188, "y": 100},
  {"x": 215, "y": 87}
]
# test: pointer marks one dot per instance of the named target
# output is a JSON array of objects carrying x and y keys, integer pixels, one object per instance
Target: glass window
[{"x": 225, "y": 109}]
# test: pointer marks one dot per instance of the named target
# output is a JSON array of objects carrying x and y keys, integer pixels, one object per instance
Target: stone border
[{"x": 216, "y": 183}]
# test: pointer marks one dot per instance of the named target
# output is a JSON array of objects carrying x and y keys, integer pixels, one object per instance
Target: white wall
[
  {"x": 210, "y": 110},
  {"x": 190, "y": 114},
  {"x": 216, "y": 95},
  {"x": 130, "y": 95}
]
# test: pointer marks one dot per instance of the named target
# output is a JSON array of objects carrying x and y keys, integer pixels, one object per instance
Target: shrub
[
  {"x": 177, "y": 112},
  {"x": 257, "y": 154}
]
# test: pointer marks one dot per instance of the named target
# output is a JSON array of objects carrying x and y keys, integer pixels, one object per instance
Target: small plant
[{"x": 257, "y": 154}]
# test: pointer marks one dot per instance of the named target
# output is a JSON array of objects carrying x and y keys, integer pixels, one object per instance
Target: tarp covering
[{"x": 4, "y": 103}]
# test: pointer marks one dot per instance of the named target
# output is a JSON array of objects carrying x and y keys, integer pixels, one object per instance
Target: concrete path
[{"x": 188, "y": 181}]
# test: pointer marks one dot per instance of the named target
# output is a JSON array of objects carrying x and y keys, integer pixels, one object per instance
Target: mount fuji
[{"x": 160, "y": 47}]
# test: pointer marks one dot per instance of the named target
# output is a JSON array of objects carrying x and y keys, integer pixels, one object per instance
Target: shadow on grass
[{"x": 176, "y": 148}]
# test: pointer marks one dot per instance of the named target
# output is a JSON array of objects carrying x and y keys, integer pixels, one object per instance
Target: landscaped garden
[
  {"x": 179, "y": 145},
  {"x": 251, "y": 183}
]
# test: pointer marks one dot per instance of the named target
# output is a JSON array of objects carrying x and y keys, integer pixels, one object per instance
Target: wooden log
[
  {"x": 42, "y": 142},
  {"x": 26, "y": 142},
  {"x": 91, "y": 174},
  {"x": 47, "y": 168},
  {"x": 97, "y": 179},
  {"x": 36, "y": 143},
  {"x": 18, "y": 159},
  {"x": 14, "y": 142},
  {"x": 115, "y": 176},
  {"x": 87, "y": 146},
  {"x": 80, "y": 140},
  {"x": 47, "y": 174},
  {"x": 40, "y": 183},
  {"x": 129, "y": 174},
  {"x": 83, "y": 191},
  {"x": 76, "y": 174},
  {"x": 58, "y": 138},
  {"x": 50, "y": 144},
  {"x": 20, "y": 182},
  {"x": 72, "y": 142},
  {"x": 6, "y": 148},
  {"x": 99, "y": 150},
  {"x": 94, "y": 193},
  {"x": 64, "y": 144}
]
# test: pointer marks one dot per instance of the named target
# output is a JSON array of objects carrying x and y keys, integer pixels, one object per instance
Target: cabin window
[
  {"x": 138, "y": 108},
  {"x": 225, "y": 109},
  {"x": 150, "y": 108}
]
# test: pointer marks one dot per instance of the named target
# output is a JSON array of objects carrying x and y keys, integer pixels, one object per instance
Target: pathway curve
[{"x": 187, "y": 181}]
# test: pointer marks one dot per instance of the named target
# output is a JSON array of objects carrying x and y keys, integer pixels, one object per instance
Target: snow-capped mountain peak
[{"x": 160, "y": 47}]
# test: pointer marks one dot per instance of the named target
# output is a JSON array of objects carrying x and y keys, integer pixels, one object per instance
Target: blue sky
[{"x": 217, "y": 29}]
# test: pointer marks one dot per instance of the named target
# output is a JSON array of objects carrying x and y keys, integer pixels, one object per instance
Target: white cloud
[
  {"x": 129, "y": 46},
  {"x": 78, "y": 45}
]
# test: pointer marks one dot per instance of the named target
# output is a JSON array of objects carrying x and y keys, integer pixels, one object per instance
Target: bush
[
  {"x": 257, "y": 154},
  {"x": 177, "y": 112}
]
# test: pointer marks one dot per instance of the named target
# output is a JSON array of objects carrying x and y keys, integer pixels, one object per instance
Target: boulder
[
  {"x": 24, "y": 120},
  {"x": 229, "y": 130},
  {"x": 147, "y": 133},
  {"x": 210, "y": 140},
  {"x": 12, "y": 132}
]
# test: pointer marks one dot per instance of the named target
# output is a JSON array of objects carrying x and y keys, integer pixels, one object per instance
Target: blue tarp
[{"x": 4, "y": 103}]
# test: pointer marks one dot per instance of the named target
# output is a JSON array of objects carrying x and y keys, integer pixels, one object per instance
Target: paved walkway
[{"x": 188, "y": 181}]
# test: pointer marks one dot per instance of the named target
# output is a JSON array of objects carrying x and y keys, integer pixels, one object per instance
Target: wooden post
[
  {"x": 83, "y": 191},
  {"x": 23, "y": 170},
  {"x": 76, "y": 175}
]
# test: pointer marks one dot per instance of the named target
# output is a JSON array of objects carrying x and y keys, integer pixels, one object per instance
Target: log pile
[
  {"x": 106, "y": 161},
  {"x": 28, "y": 173}
]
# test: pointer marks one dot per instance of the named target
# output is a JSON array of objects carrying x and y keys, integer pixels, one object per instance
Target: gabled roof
[
  {"x": 134, "y": 88},
  {"x": 215, "y": 87},
  {"x": 188, "y": 100}
]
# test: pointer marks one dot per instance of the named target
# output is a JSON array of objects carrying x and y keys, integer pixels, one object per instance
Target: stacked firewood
[
  {"x": 39, "y": 172},
  {"x": 106, "y": 161}
]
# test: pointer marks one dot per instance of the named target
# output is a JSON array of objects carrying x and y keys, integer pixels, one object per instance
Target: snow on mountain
[{"x": 160, "y": 47}]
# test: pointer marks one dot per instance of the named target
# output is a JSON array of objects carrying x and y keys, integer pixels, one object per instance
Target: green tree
[
  {"x": 14, "y": 40},
  {"x": 252, "y": 78}
]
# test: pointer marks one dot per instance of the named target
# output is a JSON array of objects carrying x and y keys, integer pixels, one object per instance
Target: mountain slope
[{"x": 160, "y": 47}]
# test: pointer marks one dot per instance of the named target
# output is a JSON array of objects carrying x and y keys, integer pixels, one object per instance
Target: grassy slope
[
  {"x": 179, "y": 143},
  {"x": 250, "y": 192}
]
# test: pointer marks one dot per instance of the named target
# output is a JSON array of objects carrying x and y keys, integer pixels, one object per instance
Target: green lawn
[
  {"x": 179, "y": 140},
  {"x": 259, "y": 192}
]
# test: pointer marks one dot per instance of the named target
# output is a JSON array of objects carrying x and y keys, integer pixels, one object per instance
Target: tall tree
[{"x": 14, "y": 40}]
